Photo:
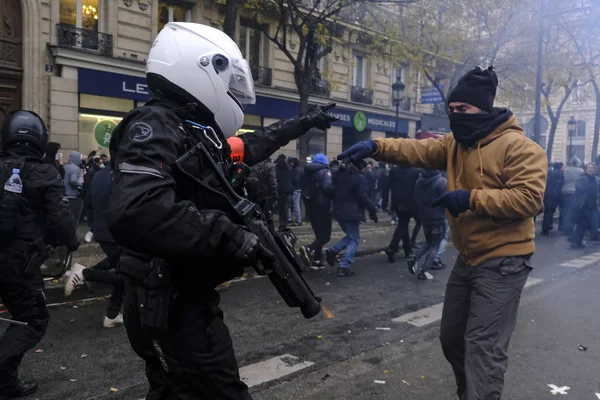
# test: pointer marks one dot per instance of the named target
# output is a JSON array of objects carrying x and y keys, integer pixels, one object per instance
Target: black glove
[
  {"x": 73, "y": 247},
  {"x": 373, "y": 216},
  {"x": 243, "y": 245},
  {"x": 456, "y": 202},
  {"x": 318, "y": 117}
]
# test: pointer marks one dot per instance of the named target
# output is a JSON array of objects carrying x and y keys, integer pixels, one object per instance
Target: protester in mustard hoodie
[{"x": 496, "y": 183}]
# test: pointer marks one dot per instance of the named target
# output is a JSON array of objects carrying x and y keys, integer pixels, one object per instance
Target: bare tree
[
  {"x": 581, "y": 26},
  {"x": 232, "y": 8},
  {"x": 445, "y": 38}
]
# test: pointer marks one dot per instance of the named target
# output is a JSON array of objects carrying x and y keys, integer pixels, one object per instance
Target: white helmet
[{"x": 196, "y": 63}]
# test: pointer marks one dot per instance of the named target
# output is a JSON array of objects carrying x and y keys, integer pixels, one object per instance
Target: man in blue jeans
[{"x": 349, "y": 207}]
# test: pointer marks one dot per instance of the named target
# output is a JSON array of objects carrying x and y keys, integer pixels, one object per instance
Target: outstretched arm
[{"x": 262, "y": 143}]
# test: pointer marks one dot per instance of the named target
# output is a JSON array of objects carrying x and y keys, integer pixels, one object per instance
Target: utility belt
[{"x": 151, "y": 278}]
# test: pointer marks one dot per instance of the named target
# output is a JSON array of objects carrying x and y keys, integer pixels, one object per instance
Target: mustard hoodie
[{"x": 506, "y": 174}]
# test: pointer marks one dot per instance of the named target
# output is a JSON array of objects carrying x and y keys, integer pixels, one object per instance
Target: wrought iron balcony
[
  {"x": 361, "y": 95},
  {"x": 262, "y": 75},
  {"x": 69, "y": 36},
  {"x": 319, "y": 87}
]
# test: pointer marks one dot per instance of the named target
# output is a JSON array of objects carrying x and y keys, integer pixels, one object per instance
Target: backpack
[
  {"x": 309, "y": 187},
  {"x": 11, "y": 204}
]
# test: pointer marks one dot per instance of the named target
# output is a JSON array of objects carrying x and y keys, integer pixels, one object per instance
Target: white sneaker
[
  {"x": 75, "y": 279},
  {"x": 89, "y": 237},
  {"x": 393, "y": 222},
  {"x": 111, "y": 323}
]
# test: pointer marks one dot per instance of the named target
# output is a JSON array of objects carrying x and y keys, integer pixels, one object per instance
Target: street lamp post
[
  {"x": 397, "y": 90},
  {"x": 572, "y": 128}
]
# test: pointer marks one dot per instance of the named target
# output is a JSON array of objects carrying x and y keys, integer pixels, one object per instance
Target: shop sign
[
  {"x": 103, "y": 132},
  {"x": 431, "y": 95},
  {"x": 360, "y": 121},
  {"x": 110, "y": 84}
]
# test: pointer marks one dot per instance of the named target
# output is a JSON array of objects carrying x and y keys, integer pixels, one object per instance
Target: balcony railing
[
  {"x": 71, "y": 37},
  {"x": 262, "y": 75},
  {"x": 319, "y": 87},
  {"x": 361, "y": 95}
]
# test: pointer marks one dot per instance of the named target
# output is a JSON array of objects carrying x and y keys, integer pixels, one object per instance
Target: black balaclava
[{"x": 477, "y": 88}]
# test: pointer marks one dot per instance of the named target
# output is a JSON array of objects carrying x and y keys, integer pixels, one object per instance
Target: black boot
[{"x": 390, "y": 254}]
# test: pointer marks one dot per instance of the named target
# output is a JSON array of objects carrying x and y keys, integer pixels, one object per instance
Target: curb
[{"x": 55, "y": 289}]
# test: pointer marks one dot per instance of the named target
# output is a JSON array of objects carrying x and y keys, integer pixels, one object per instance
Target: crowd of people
[{"x": 573, "y": 190}]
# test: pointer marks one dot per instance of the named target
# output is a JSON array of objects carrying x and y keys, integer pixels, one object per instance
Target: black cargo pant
[
  {"x": 478, "y": 319},
  {"x": 105, "y": 272},
  {"x": 402, "y": 233},
  {"x": 22, "y": 293},
  {"x": 284, "y": 206},
  {"x": 320, "y": 220},
  {"x": 194, "y": 359},
  {"x": 550, "y": 206}
]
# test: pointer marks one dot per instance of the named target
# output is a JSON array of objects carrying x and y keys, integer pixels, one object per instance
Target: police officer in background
[
  {"x": 169, "y": 223},
  {"x": 33, "y": 211}
]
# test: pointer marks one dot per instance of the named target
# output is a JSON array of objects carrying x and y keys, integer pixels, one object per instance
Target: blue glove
[
  {"x": 456, "y": 202},
  {"x": 359, "y": 151}
]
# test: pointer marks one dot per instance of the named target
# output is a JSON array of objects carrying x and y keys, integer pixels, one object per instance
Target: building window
[
  {"x": 80, "y": 13},
  {"x": 359, "y": 78},
  {"x": 169, "y": 12},
  {"x": 252, "y": 43},
  {"x": 580, "y": 129},
  {"x": 398, "y": 75}
]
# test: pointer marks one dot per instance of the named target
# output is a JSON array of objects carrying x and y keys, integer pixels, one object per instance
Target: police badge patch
[{"x": 140, "y": 132}]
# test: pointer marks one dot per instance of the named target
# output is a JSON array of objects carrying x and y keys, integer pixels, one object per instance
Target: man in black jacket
[
  {"x": 285, "y": 189},
  {"x": 428, "y": 188},
  {"x": 262, "y": 188},
  {"x": 178, "y": 229},
  {"x": 351, "y": 201},
  {"x": 34, "y": 210},
  {"x": 317, "y": 193},
  {"x": 554, "y": 184},
  {"x": 402, "y": 185},
  {"x": 105, "y": 271}
]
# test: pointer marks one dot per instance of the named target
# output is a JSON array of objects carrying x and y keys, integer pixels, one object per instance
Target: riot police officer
[
  {"x": 34, "y": 211},
  {"x": 198, "y": 77}
]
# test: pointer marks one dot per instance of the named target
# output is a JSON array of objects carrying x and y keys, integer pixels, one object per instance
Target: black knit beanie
[{"x": 477, "y": 88}]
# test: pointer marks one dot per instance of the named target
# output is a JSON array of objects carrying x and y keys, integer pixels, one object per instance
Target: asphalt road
[{"x": 340, "y": 353}]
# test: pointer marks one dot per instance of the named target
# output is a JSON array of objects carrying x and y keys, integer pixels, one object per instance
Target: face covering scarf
[{"x": 468, "y": 129}]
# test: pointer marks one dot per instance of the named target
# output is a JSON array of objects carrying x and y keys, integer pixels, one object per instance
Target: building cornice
[{"x": 82, "y": 59}]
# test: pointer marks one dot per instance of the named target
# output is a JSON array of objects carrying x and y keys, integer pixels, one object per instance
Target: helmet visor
[{"x": 241, "y": 83}]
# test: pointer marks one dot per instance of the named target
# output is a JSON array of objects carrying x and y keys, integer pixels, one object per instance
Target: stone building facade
[{"x": 80, "y": 64}]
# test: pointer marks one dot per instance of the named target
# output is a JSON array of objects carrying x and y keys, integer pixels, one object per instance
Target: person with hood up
[
  {"x": 317, "y": 193},
  {"x": 496, "y": 183},
  {"x": 74, "y": 174},
  {"x": 52, "y": 157},
  {"x": 349, "y": 205},
  {"x": 428, "y": 188},
  {"x": 567, "y": 196}
]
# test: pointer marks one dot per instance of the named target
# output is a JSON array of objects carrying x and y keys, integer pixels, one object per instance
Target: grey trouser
[{"x": 479, "y": 316}]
